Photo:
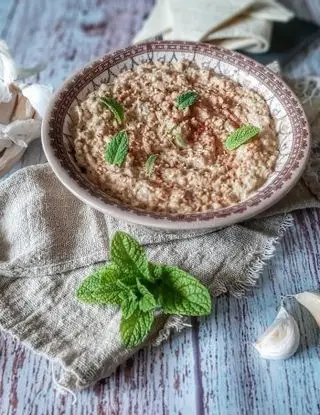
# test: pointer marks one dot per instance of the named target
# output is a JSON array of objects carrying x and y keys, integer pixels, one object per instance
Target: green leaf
[
  {"x": 101, "y": 287},
  {"x": 143, "y": 290},
  {"x": 186, "y": 99},
  {"x": 155, "y": 271},
  {"x": 182, "y": 294},
  {"x": 117, "y": 149},
  {"x": 180, "y": 142},
  {"x": 124, "y": 284},
  {"x": 150, "y": 164},
  {"x": 134, "y": 329},
  {"x": 87, "y": 290},
  {"x": 147, "y": 302},
  {"x": 126, "y": 291},
  {"x": 129, "y": 255},
  {"x": 115, "y": 107},
  {"x": 241, "y": 136},
  {"x": 128, "y": 307}
]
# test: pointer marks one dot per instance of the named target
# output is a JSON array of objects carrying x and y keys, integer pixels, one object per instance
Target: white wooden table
[{"x": 211, "y": 368}]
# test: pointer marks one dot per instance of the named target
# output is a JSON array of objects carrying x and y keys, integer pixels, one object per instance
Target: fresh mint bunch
[{"x": 140, "y": 288}]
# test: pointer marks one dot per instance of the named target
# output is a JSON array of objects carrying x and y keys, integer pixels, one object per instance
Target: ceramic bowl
[{"x": 290, "y": 120}]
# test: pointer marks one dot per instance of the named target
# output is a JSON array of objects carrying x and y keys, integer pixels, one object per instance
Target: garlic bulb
[
  {"x": 21, "y": 109},
  {"x": 39, "y": 96},
  {"x": 281, "y": 340},
  {"x": 8, "y": 68},
  {"x": 310, "y": 300}
]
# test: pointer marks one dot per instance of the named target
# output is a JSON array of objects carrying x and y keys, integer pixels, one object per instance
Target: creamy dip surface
[{"x": 192, "y": 174}]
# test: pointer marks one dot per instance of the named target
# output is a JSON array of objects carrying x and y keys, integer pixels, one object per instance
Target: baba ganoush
[{"x": 174, "y": 158}]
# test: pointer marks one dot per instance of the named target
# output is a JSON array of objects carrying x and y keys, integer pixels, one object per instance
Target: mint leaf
[
  {"x": 129, "y": 255},
  {"x": 147, "y": 302},
  {"x": 155, "y": 271},
  {"x": 143, "y": 290},
  {"x": 150, "y": 164},
  {"x": 241, "y": 136},
  {"x": 176, "y": 132},
  {"x": 128, "y": 307},
  {"x": 126, "y": 291},
  {"x": 117, "y": 149},
  {"x": 134, "y": 329},
  {"x": 101, "y": 287},
  {"x": 182, "y": 294},
  {"x": 89, "y": 287},
  {"x": 186, "y": 99},
  {"x": 115, "y": 107},
  {"x": 180, "y": 142}
]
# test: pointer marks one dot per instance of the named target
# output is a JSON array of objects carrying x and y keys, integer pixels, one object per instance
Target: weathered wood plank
[
  {"x": 235, "y": 379},
  {"x": 154, "y": 382},
  {"x": 7, "y": 12}
]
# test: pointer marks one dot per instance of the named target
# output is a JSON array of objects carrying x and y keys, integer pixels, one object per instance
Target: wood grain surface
[{"x": 211, "y": 368}]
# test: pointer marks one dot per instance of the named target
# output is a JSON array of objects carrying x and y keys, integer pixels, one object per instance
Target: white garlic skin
[
  {"x": 281, "y": 340},
  {"x": 311, "y": 301},
  {"x": 39, "y": 97}
]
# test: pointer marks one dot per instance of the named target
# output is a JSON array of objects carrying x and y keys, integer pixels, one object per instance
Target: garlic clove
[
  {"x": 21, "y": 109},
  {"x": 311, "y": 301},
  {"x": 18, "y": 108},
  {"x": 7, "y": 107},
  {"x": 5, "y": 94},
  {"x": 281, "y": 340},
  {"x": 8, "y": 69},
  {"x": 10, "y": 156},
  {"x": 22, "y": 132},
  {"x": 38, "y": 96},
  {"x": 4, "y": 142}
]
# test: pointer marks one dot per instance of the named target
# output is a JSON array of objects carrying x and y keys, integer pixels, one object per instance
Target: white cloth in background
[{"x": 245, "y": 24}]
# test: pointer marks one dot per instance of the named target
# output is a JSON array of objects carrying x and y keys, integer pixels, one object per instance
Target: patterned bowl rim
[{"x": 259, "y": 201}]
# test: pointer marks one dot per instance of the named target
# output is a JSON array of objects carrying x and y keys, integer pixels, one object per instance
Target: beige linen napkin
[
  {"x": 50, "y": 241},
  {"x": 233, "y": 24}
]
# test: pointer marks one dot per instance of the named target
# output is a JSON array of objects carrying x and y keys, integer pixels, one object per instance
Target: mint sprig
[
  {"x": 115, "y": 107},
  {"x": 186, "y": 99},
  {"x": 241, "y": 136},
  {"x": 140, "y": 288},
  {"x": 117, "y": 149}
]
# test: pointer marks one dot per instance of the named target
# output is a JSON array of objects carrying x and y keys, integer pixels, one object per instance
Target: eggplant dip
[{"x": 175, "y": 138}]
